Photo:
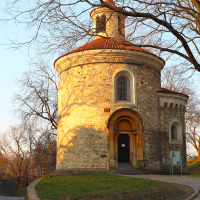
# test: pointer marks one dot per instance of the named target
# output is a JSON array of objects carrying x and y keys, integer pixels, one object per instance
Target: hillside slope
[{"x": 194, "y": 166}]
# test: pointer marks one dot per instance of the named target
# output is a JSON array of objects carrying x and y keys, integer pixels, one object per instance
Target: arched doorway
[
  {"x": 123, "y": 128},
  {"x": 123, "y": 148},
  {"x": 125, "y": 137}
]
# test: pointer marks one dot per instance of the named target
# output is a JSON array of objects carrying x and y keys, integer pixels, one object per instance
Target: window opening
[
  {"x": 100, "y": 24},
  {"x": 103, "y": 23},
  {"x": 173, "y": 132},
  {"x": 121, "y": 28},
  {"x": 122, "y": 89}
]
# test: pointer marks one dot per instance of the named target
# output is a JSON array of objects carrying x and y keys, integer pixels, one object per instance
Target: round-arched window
[
  {"x": 100, "y": 24},
  {"x": 121, "y": 28},
  {"x": 122, "y": 88},
  {"x": 175, "y": 132}
]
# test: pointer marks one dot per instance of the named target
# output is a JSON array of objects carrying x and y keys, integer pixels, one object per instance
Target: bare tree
[
  {"x": 3, "y": 162},
  {"x": 192, "y": 130},
  {"x": 16, "y": 147},
  {"x": 44, "y": 158},
  {"x": 36, "y": 102},
  {"x": 174, "y": 80},
  {"x": 24, "y": 153},
  {"x": 167, "y": 27}
]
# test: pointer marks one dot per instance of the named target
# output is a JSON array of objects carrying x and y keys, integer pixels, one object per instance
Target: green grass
[
  {"x": 24, "y": 192},
  {"x": 80, "y": 186},
  {"x": 194, "y": 167},
  {"x": 192, "y": 161}
]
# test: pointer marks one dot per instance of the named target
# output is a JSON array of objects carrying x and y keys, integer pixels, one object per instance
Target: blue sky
[{"x": 13, "y": 64}]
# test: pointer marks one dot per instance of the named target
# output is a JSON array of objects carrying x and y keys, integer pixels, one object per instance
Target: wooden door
[{"x": 123, "y": 148}]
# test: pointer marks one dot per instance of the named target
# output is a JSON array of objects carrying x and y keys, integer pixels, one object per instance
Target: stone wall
[
  {"x": 86, "y": 102},
  {"x": 169, "y": 114},
  {"x": 7, "y": 188}
]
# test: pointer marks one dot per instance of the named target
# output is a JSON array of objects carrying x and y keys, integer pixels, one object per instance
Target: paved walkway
[
  {"x": 32, "y": 195},
  {"x": 193, "y": 182},
  {"x": 11, "y": 198}
]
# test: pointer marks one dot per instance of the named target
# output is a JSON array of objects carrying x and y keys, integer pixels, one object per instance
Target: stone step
[
  {"x": 130, "y": 172},
  {"x": 128, "y": 169},
  {"x": 127, "y": 163},
  {"x": 125, "y": 169}
]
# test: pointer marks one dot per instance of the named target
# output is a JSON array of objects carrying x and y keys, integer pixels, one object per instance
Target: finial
[{"x": 110, "y": 2}]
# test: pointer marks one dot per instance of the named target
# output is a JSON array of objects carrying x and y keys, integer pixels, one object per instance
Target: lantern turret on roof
[{"x": 108, "y": 23}]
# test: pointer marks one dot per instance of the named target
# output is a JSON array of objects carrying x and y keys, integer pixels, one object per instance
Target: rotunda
[{"x": 111, "y": 107}]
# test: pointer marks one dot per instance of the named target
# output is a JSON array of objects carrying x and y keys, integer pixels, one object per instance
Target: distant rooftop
[{"x": 170, "y": 91}]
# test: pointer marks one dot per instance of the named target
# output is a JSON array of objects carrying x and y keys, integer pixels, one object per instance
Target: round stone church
[{"x": 111, "y": 107}]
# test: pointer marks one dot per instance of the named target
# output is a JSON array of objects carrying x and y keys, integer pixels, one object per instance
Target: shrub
[{"x": 47, "y": 176}]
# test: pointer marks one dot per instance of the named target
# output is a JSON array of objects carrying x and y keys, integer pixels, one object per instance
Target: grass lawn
[
  {"x": 192, "y": 161},
  {"x": 194, "y": 167},
  {"x": 106, "y": 186}
]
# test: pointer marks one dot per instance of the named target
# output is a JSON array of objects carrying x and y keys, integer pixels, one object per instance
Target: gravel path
[
  {"x": 11, "y": 198},
  {"x": 193, "y": 182}
]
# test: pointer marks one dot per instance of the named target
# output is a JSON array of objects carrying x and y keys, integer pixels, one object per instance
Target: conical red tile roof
[{"x": 108, "y": 43}]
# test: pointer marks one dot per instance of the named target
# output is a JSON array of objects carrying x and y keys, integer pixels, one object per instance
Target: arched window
[
  {"x": 121, "y": 28},
  {"x": 103, "y": 23},
  {"x": 100, "y": 24},
  {"x": 122, "y": 88},
  {"x": 175, "y": 132}
]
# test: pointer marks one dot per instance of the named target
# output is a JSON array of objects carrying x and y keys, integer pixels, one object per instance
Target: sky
[{"x": 14, "y": 63}]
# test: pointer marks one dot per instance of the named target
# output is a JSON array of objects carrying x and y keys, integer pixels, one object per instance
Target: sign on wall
[{"x": 175, "y": 157}]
